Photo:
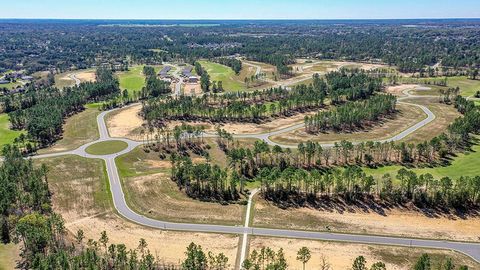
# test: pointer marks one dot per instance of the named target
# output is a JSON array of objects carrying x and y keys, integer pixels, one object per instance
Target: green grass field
[
  {"x": 106, "y": 148},
  {"x": 467, "y": 87},
  {"x": 463, "y": 165},
  {"x": 133, "y": 80},
  {"x": 218, "y": 72},
  {"x": 6, "y": 134}
]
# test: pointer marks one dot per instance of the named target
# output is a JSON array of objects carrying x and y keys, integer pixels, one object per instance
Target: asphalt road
[{"x": 470, "y": 249}]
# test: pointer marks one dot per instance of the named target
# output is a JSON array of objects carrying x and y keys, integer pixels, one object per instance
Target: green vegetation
[
  {"x": 467, "y": 86},
  {"x": 465, "y": 164},
  {"x": 133, "y": 80},
  {"x": 224, "y": 74},
  {"x": 6, "y": 134},
  {"x": 106, "y": 148},
  {"x": 77, "y": 130}
]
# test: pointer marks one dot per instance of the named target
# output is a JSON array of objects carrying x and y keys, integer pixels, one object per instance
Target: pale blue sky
[{"x": 239, "y": 9}]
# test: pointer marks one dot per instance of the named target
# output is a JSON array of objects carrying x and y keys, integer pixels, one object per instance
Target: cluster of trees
[
  {"x": 205, "y": 181},
  {"x": 281, "y": 62},
  {"x": 42, "y": 111},
  {"x": 351, "y": 115},
  {"x": 477, "y": 94},
  {"x": 352, "y": 84},
  {"x": 233, "y": 109},
  {"x": 154, "y": 86},
  {"x": 297, "y": 186},
  {"x": 233, "y": 63},
  {"x": 204, "y": 78}
]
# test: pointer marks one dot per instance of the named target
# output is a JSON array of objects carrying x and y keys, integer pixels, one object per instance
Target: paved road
[{"x": 470, "y": 249}]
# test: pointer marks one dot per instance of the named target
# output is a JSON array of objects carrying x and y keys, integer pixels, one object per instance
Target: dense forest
[
  {"x": 41, "y": 112},
  {"x": 63, "y": 45}
]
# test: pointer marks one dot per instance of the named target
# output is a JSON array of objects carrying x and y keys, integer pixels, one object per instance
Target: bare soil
[
  {"x": 366, "y": 220},
  {"x": 342, "y": 255},
  {"x": 125, "y": 122}
]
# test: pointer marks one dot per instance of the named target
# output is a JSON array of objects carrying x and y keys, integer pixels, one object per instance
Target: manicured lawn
[
  {"x": 467, "y": 164},
  {"x": 217, "y": 72},
  {"x": 132, "y": 80},
  {"x": 6, "y": 134},
  {"x": 106, "y": 148}
]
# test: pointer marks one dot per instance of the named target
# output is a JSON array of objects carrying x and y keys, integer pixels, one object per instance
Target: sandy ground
[
  {"x": 192, "y": 89},
  {"x": 125, "y": 122},
  {"x": 406, "y": 117},
  {"x": 399, "y": 222},
  {"x": 398, "y": 89},
  {"x": 87, "y": 76},
  {"x": 341, "y": 255}
]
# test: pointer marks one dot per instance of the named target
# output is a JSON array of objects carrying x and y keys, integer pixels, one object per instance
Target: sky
[{"x": 239, "y": 9}]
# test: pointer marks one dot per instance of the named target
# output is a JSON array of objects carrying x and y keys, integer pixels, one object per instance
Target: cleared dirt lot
[
  {"x": 125, "y": 122},
  {"x": 351, "y": 219},
  {"x": 342, "y": 255},
  {"x": 82, "y": 196},
  {"x": 405, "y": 117}
]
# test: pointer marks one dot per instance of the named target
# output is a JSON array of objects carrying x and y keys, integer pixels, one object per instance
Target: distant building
[
  {"x": 27, "y": 78},
  {"x": 4, "y": 82},
  {"x": 164, "y": 72},
  {"x": 193, "y": 79},
  {"x": 187, "y": 72}
]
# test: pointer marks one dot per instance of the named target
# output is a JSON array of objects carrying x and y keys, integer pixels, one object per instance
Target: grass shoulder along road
[
  {"x": 106, "y": 147},
  {"x": 78, "y": 130}
]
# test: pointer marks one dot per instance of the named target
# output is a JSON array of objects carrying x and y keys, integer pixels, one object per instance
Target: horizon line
[{"x": 250, "y": 19}]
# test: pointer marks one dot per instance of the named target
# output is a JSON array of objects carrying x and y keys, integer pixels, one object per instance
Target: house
[
  {"x": 27, "y": 78},
  {"x": 164, "y": 72},
  {"x": 4, "y": 82},
  {"x": 193, "y": 79},
  {"x": 187, "y": 72}
]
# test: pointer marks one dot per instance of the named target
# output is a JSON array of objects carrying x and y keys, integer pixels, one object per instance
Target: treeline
[
  {"x": 353, "y": 84},
  {"x": 351, "y": 115},
  {"x": 299, "y": 187},
  {"x": 280, "y": 62},
  {"x": 233, "y": 63},
  {"x": 200, "y": 108},
  {"x": 43, "y": 111}
]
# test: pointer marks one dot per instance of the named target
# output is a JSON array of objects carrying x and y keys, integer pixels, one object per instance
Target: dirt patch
[
  {"x": 397, "y": 90},
  {"x": 87, "y": 76},
  {"x": 125, "y": 123},
  {"x": 192, "y": 89},
  {"x": 342, "y": 255},
  {"x": 398, "y": 222}
]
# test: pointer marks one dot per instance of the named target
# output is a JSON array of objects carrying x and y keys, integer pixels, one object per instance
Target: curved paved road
[{"x": 470, "y": 249}]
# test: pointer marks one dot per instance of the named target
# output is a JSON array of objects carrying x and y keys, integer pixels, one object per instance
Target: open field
[
  {"x": 132, "y": 80},
  {"x": 218, "y": 72},
  {"x": 78, "y": 130},
  {"x": 369, "y": 220},
  {"x": 341, "y": 255},
  {"x": 8, "y": 256},
  {"x": 106, "y": 148},
  {"x": 125, "y": 122},
  {"x": 81, "y": 194},
  {"x": 146, "y": 179},
  {"x": 6, "y": 134},
  {"x": 405, "y": 117},
  {"x": 467, "y": 87}
]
